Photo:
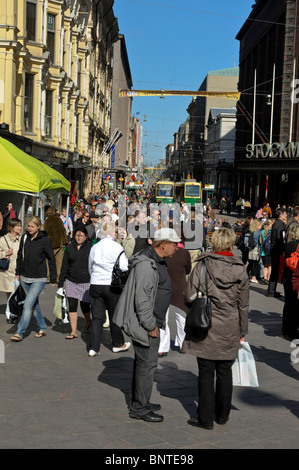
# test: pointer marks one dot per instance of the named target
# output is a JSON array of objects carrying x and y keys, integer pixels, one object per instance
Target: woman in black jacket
[
  {"x": 31, "y": 270},
  {"x": 75, "y": 274}
]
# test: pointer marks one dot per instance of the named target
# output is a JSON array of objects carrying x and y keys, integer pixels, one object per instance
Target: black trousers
[
  {"x": 103, "y": 298},
  {"x": 214, "y": 400},
  {"x": 145, "y": 364}
]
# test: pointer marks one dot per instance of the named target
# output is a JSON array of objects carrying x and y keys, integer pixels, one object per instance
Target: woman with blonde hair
[
  {"x": 216, "y": 351},
  {"x": 31, "y": 270},
  {"x": 103, "y": 296},
  {"x": 9, "y": 246}
]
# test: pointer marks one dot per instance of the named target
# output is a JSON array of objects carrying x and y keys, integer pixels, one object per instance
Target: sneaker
[
  {"x": 254, "y": 280},
  {"x": 92, "y": 353},
  {"x": 124, "y": 347}
]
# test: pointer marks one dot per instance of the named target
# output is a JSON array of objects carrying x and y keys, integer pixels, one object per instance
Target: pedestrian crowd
[{"x": 162, "y": 250}]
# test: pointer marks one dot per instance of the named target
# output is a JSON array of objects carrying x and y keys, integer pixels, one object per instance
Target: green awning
[{"x": 23, "y": 173}]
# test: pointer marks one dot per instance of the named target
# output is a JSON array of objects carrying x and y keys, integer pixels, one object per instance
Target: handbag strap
[
  {"x": 6, "y": 242},
  {"x": 203, "y": 267},
  {"x": 117, "y": 259}
]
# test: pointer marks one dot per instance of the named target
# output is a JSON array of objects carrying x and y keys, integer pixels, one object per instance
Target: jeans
[
  {"x": 214, "y": 400},
  {"x": 103, "y": 298},
  {"x": 33, "y": 291},
  {"x": 145, "y": 364}
]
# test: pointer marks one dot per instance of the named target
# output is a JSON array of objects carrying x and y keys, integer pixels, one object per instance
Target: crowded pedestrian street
[{"x": 54, "y": 396}]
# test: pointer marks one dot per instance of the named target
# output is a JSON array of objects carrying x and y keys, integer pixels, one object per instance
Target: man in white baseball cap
[{"x": 141, "y": 312}]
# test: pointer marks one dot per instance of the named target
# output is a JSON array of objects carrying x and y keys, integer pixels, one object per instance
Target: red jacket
[{"x": 296, "y": 279}]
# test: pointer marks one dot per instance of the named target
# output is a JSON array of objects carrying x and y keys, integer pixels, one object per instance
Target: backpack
[
  {"x": 246, "y": 240},
  {"x": 292, "y": 261},
  {"x": 267, "y": 244}
]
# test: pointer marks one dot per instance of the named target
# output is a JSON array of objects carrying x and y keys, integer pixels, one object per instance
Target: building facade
[
  {"x": 220, "y": 150},
  {"x": 267, "y": 156},
  {"x": 199, "y": 111},
  {"x": 56, "y": 82}
]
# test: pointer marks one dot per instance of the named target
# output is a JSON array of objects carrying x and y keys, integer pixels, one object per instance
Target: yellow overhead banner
[{"x": 231, "y": 95}]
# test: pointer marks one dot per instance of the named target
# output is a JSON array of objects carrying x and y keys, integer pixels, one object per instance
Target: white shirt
[{"x": 102, "y": 259}]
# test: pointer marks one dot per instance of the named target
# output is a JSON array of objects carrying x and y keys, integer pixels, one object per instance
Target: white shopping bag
[
  {"x": 60, "y": 310},
  {"x": 11, "y": 318},
  {"x": 243, "y": 369}
]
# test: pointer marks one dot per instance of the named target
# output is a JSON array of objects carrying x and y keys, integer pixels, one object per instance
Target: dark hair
[
  {"x": 13, "y": 223},
  {"x": 81, "y": 229}
]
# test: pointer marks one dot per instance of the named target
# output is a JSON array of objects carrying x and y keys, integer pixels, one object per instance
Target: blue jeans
[{"x": 31, "y": 303}]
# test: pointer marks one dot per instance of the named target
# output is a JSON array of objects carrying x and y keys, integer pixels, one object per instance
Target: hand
[
  {"x": 242, "y": 340},
  {"x": 9, "y": 252},
  {"x": 155, "y": 333}
]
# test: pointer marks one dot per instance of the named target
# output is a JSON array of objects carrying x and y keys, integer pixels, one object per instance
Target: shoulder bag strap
[{"x": 6, "y": 242}]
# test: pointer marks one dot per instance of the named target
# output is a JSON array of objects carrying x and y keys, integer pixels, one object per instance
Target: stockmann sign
[{"x": 282, "y": 150}]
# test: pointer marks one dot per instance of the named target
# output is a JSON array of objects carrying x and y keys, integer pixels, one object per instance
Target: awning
[{"x": 22, "y": 173}]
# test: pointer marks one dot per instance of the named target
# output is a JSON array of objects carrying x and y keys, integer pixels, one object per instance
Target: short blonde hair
[
  {"x": 35, "y": 220},
  {"x": 223, "y": 239},
  {"x": 108, "y": 228}
]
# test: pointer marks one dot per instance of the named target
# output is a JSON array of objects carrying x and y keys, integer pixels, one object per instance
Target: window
[
  {"x": 79, "y": 74},
  {"x": 51, "y": 35},
  {"x": 48, "y": 116},
  {"x": 31, "y": 21},
  {"x": 28, "y": 103}
]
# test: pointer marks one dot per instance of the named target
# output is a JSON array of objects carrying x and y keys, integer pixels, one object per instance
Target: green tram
[
  {"x": 164, "y": 192},
  {"x": 188, "y": 191}
]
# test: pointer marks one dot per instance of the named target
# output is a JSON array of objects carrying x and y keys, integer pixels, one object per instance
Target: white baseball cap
[{"x": 168, "y": 234}]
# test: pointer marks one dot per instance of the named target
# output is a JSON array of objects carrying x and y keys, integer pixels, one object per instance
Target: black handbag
[
  {"x": 4, "y": 262},
  {"x": 199, "y": 317},
  {"x": 119, "y": 277}
]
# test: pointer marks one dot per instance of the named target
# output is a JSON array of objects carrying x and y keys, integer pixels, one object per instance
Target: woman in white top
[
  {"x": 9, "y": 246},
  {"x": 102, "y": 258}
]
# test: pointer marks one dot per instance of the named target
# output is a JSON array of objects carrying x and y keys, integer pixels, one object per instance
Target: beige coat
[
  {"x": 228, "y": 288},
  {"x": 7, "y": 277}
]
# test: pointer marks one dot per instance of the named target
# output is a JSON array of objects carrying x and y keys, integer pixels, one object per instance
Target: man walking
[
  {"x": 141, "y": 311},
  {"x": 276, "y": 250}
]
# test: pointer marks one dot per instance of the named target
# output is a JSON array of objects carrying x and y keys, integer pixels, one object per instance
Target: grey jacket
[
  {"x": 134, "y": 310},
  {"x": 228, "y": 288}
]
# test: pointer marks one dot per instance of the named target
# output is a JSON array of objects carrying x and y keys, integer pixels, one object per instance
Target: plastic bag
[
  {"x": 243, "y": 369},
  {"x": 14, "y": 307},
  {"x": 60, "y": 310}
]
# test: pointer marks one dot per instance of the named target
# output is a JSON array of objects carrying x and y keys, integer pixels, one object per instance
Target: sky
[{"x": 172, "y": 45}]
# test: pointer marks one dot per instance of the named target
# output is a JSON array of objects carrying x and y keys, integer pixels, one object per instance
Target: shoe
[
  {"x": 40, "y": 334},
  {"x": 149, "y": 417},
  {"x": 16, "y": 338},
  {"x": 194, "y": 422},
  {"x": 277, "y": 295},
  {"x": 222, "y": 421},
  {"x": 92, "y": 353},
  {"x": 269, "y": 294},
  {"x": 254, "y": 280},
  {"x": 162, "y": 354},
  {"x": 154, "y": 407},
  {"x": 71, "y": 337},
  {"x": 124, "y": 347}
]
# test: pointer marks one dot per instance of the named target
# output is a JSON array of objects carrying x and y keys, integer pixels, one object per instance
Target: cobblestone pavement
[{"x": 53, "y": 396}]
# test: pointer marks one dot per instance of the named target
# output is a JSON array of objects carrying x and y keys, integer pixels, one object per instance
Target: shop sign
[{"x": 276, "y": 150}]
